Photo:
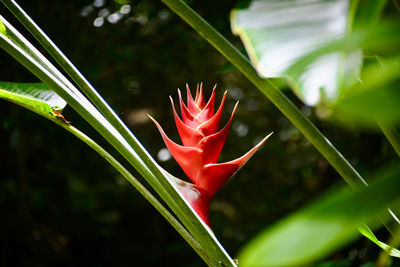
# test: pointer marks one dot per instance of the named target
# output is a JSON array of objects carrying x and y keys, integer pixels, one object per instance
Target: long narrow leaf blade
[
  {"x": 2, "y": 28},
  {"x": 364, "y": 230}
]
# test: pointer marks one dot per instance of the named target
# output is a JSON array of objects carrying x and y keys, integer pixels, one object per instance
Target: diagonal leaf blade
[
  {"x": 2, "y": 28},
  {"x": 365, "y": 231}
]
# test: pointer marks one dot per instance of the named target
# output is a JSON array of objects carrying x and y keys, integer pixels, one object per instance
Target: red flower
[{"x": 202, "y": 145}]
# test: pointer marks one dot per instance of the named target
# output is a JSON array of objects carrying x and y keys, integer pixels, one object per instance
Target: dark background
[{"x": 62, "y": 204}]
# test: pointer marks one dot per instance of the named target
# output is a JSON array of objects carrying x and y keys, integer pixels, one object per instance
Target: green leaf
[
  {"x": 366, "y": 107},
  {"x": 369, "y": 11},
  {"x": 3, "y": 29},
  {"x": 322, "y": 227},
  {"x": 278, "y": 33},
  {"x": 376, "y": 97},
  {"x": 364, "y": 230},
  {"x": 34, "y": 96}
]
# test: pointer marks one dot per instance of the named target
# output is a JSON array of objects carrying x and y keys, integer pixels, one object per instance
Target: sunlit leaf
[
  {"x": 370, "y": 235},
  {"x": 2, "y": 28},
  {"x": 34, "y": 96},
  {"x": 278, "y": 33},
  {"x": 319, "y": 229}
]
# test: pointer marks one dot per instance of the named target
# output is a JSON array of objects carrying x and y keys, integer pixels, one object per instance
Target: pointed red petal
[
  {"x": 211, "y": 101},
  {"x": 200, "y": 102},
  {"x": 211, "y": 126},
  {"x": 212, "y": 144},
  {"x": 189, "y": 158},
  {"x": 197, "y": 93},
  {"x": 193, "y": 108},
  {"x": 189, "y": 136},
  {"x": 197, "y": 197},
  {"x": 187, "y": 116},
  {"x": 215, "y": 175},
  {"x": 208, "y": 111}
]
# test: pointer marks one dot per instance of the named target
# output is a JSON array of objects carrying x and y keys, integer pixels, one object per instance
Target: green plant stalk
[
  {"x": 71, "y": 70},
  {"x": 349, "y": 27},
  {"x": 158, "y": 181},
  {"x": 25, "y": 45},
  {"x": 392, "y": 135},
  {"x": 351, "y": 15},
  {"x": 131, "y": 179},
  {"x": 272, "y": 92}
]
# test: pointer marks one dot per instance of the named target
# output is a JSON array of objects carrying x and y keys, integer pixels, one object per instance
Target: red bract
[{"x": 202, "y": 145}]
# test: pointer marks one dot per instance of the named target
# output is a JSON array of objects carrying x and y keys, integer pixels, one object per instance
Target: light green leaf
[
  {"x": 34, "y": 96},
  {"x": 364, "y": 230},
  {"x": 277, "y": 33},
  {"x": 2, "y": 28},
  {"x": 324, "y": 226}
]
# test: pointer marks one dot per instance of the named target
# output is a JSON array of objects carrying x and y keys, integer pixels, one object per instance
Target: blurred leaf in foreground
[
  {"x": 322, "y": 227},
  {"x": 376, "y": 97}
]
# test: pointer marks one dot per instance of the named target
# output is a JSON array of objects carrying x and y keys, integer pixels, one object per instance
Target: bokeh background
[{"x": 62, "y": 205}]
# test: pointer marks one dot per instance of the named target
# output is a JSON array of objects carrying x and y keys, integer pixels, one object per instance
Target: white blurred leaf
[{"x": 277, "y": 33}]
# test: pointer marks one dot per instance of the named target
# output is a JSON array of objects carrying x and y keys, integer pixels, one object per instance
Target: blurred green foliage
[{"x": 63, "y": 205}]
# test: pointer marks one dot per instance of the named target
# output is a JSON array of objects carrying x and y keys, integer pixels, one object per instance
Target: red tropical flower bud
[
  {"x": 202, "y": 145},
  {"x": 197, "y": 198}
]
